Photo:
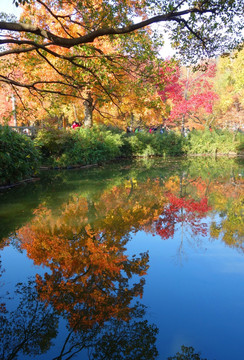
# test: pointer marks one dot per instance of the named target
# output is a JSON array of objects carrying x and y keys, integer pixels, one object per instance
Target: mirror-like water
[{"x": 139, "y": 260}]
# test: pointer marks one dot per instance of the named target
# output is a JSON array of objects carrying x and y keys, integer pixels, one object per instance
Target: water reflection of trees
[
  {"x": 187, "y": 353},
  {"x": 230, "y": 227},
  {"x": 90, "y": 281},
  {"x": 89, "y": 273},
  {"x": 191, "y": 196},
  {"x": 31, "y": 328},
  {"x": 84, "y": 246}
]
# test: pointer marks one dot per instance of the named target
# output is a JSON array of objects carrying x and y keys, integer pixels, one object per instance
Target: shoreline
[{"x": 73, "y": 167}]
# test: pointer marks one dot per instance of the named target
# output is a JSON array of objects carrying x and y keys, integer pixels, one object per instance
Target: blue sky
[{"x": 8, "y": 7}]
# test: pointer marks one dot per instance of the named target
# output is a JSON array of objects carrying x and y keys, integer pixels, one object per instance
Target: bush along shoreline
[{"x": 20, "y": 157}]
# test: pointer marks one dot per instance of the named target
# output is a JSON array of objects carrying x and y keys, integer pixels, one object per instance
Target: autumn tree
[
  {"x": 83, "y": 48},
  {"x": 229, "y": 85},
  {"x": 139, "y": 102},
  {"x": 94, "y": 73},
  {"x": 189, "y": 93},
  {"x": 6, "y": 105}
]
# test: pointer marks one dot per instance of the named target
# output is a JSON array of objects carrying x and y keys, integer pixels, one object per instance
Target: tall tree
[
  {"x": 189, "y": 94},
  {"x": 229, "y": 84}
]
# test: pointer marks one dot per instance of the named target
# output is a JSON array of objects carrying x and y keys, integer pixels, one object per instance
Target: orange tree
[
  {"x": 87, "y": 46},
  {"x": 139, "y": 101}
]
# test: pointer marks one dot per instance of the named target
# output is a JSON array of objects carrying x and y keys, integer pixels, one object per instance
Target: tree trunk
[
  {"x": 14, "y": 110},
  {"x": 75, "y": 113},
  {"x": 185, "y": 97},
  {"x": 132, "y": 120},
  {"x": 88, "y": 104},
  {"x": 182, "y": 125}
]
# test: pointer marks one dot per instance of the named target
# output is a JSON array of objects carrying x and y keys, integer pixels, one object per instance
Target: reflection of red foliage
[
  {"x": 189, "y": 204},
  {"x": 182, "y": 210}
]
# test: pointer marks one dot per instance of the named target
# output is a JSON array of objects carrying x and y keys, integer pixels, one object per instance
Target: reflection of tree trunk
[
  {"x": 131, "y": 189},
  {"x": 88, "y": 104},
  {"x": 181, "y": 251},
  {"x": 72, "y": 349},
  {"x": 181, "y": 185},
  {"x": 233, "y": 177},
  {"x": 92, "y": 212},
  {"x": 181, "y": 246}
]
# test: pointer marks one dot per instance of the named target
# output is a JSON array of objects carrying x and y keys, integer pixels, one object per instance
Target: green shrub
[
  {"x": 81, "y": 146},
  {"x": 19, "y": 159},
  {"x": 53, "y": 142},
  {"x": 99, "y": 144},
  {"x": 217, "y": 141},
  {"x": 156, "y": 144}
]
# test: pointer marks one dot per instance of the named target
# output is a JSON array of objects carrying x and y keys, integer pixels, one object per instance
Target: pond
[{"x": 135, "y": 260}]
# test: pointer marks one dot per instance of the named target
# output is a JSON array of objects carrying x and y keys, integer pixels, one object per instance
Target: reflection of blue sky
[
  {"x": 198, "y": 301},
  {"x": 18, "y": 268}
]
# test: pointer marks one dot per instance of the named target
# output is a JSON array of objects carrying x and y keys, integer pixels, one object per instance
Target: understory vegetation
[{"x": 20, "y": 157}]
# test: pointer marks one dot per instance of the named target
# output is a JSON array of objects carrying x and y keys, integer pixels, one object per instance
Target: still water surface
[{"x": 127, "y": 261}]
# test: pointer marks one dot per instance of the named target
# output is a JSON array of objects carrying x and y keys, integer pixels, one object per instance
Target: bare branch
[{"x": 36, "y": 83}]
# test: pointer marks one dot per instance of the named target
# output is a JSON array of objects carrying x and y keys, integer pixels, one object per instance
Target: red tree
[{"x": 189, "y": 95}]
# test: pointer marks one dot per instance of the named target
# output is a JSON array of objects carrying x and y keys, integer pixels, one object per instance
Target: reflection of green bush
[
  {"x": 209, "y": 168},
  {"x": 19, "y": 159},
  {"x": 240, "y": 147}
]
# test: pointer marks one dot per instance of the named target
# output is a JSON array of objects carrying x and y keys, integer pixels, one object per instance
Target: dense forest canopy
[
  {"x": 54, "y": 27},
  {"x": 88, "y": 49}
]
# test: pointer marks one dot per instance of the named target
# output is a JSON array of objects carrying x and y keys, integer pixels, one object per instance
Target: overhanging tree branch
[{"x": 90, "y": 37}]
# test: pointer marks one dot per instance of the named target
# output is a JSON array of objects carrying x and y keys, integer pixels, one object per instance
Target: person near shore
[{"x": 75, "y": 124}]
